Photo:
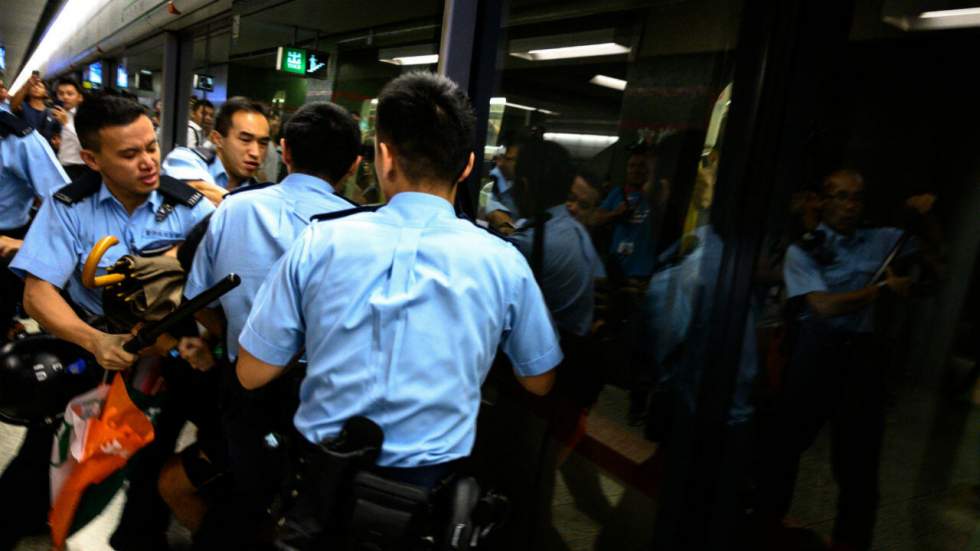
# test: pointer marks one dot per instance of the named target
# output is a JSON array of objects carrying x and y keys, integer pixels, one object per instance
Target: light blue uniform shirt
[
  {"x": 401, "y": 312},
  {"x": 247, "y": 235},
  {"x": 677, "y": 313},
  {"x": 28, "y": 168},
  {"x": 855, "y": 260},
  {"x": 184, "y": 164},
  {"x": 502, "y": 195},
  {"x": 569, "y": 268},
  {"x": 62, "y": 236}
]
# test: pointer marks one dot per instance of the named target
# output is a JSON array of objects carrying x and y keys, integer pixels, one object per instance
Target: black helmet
[{"x": 39, "y": 374}]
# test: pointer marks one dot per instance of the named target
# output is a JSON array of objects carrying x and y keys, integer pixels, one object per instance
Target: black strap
[
  {"x": 249, "y": 187},
  {"x": 206, "y": 154},
  {"x": 537, "y": 247},
  {"x": 86, "y": 185},
  {"x": 12, "y": 125},
  {"x": 342, "y": 213}
]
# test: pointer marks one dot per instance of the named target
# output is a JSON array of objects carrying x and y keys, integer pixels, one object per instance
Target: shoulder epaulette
[
  {"x": 206, "y": 154},
  {"x": 84, "y": 186},
  {"x": 179, "y": 192},
  {"x": 342, "y": 213},
  {"x": 11, "y": 124},
  {"x": 250, "y": 187}
]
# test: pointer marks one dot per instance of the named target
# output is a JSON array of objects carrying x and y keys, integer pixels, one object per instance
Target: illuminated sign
[
  {"x": 299, "y": 61},
  {"x": 291, "y": 60},
  {"x": 95, "y": 74},
  {"x": 3, "y": 58},
  {"x": 122, "y": 78},
  {"x": 204, "y": 82}
]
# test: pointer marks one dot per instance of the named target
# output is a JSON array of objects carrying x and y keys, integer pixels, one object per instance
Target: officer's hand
[
  {"x": 9, "y": 246},
  {"x": 210, "y": 191},
  {"x": 898, "y": 285},
  {"x": 60, "y": 114},
  {"x": 921, "y": 203},
  {"x": 196, "y": 352},
  {"x": 109, "y": 353}
]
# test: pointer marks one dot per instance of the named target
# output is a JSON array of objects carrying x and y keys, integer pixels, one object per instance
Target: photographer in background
[
  {"x": 70, "y": 96},
  {"x": 32, "y": 104}
]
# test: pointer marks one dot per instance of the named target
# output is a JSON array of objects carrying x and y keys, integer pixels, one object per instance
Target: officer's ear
[
  {"x": 384, "y": 162},
  {"x": 287, "y": 154},
  {"x": 353, "y": 168},
  {"x": 469, "y": 168},
  {"x": 90, "y": 160},
  {"x": 216, "y": 138}
]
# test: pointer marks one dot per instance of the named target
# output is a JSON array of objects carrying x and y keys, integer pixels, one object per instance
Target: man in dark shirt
[{"x": 29, "y": 104}]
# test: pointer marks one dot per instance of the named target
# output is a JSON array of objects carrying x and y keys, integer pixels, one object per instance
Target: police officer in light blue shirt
[
  {"x": 240, "y": 137},
  {"x": 247, "y": 234},
  {"x": 124, "y": 197},
  {"x": 502, "y": 210},
  {"x": 28, "y": 170},
  {"x": 401, "y": 310},
  {"x": 836, "y": 374},
  {"x": 569, "y": 263}
]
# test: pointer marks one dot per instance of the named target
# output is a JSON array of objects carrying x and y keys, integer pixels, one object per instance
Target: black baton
[
  {"x": 902, "y": 240},
  {"x": 149, "y": 333}
]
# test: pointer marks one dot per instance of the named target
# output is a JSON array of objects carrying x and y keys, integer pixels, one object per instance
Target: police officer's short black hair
[
  {"x": 201, "y": 103},
  {"x": 101, "y": 111},
  {"x": 237, "y": 104},
  {"x": 427, "y": 121},
  {"x": 323, "y": 140},
  {"x": 68, "y": 81},
  {"x": 544, "y": 173}
]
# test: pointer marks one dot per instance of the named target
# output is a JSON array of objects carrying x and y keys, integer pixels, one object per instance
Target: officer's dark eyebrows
[
  {"x": 134, "y": 150},
  {"x": 248, "y": 136}
]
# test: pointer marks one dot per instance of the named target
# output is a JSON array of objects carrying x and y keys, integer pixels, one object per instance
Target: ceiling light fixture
[
  {"x": 424, "y": 54},
  {"x": 936, "y": 20},
  {"x": 609, "y": 82},
  {"x": 503, "y": 101},
  {"x": 74, "y": 15},
  {"x": 566, "y": 46}
]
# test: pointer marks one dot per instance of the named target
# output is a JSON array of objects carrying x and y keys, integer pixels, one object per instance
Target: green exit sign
[
  {"x": 300, "y": 61},
  {"x": 291, "y": 60}
]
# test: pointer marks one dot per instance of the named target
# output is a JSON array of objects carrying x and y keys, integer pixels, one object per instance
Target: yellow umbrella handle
[{"x": 89, "y": 279}]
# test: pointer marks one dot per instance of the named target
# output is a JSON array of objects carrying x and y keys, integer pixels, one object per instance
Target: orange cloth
[{"x": 107, "y": 442}]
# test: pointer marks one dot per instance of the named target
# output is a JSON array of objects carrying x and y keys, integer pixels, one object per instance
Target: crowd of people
[{"x": 350, "y": 308}]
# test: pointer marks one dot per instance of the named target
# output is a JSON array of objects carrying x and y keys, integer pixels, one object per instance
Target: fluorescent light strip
[
  {"x": 567, "y": 137},
  {"x": 585, "y": 50},
  {"x": 504, "y": 102},
  {"x": 949, "y": 13},
  {"x": 519, "y": 106},
  {"x": 609, "y": 82},
  {"x": 72, "y": 16},
  {"x": 427, "y": 59}
]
